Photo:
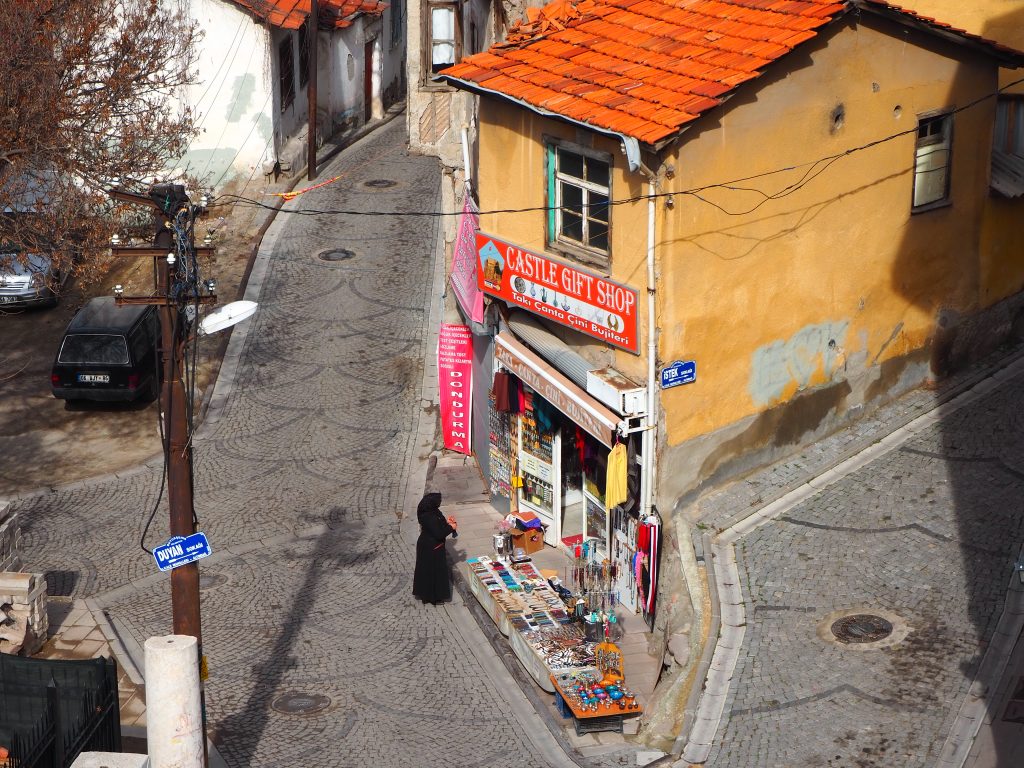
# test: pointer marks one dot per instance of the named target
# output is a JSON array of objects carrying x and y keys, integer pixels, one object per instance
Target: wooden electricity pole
[{"x": 170, "y": 299}]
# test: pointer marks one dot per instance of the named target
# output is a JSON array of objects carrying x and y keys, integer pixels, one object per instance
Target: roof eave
[
  {"x": 1004, "y": 54},
  {"x": 630, "y": 144}
]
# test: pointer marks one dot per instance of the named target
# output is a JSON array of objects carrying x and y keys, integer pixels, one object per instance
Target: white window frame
[
  {"x": 933, "y": 161},
  {"x": 556, "y": 178}
]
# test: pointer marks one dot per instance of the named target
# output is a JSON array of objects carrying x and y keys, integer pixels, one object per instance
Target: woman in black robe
[{"x": 432, "y": 581}]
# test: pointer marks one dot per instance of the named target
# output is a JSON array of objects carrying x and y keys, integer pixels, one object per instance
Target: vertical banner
[
  {"x": 464, "y": 263},
  {"x": 455, "y": 385}
]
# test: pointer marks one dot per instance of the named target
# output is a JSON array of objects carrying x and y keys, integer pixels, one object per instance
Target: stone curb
[{"x": 712, "y": 705}]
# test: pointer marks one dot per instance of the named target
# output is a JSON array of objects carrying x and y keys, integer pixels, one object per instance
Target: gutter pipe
[{"x": 629, "y": 144}]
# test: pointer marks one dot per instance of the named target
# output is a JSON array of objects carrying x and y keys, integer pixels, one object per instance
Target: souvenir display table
[
  {"x": 596, "y": 702},
  {"x": 532, "y": 615}
]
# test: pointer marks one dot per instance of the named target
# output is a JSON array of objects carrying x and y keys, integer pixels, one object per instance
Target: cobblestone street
[
  {"x": 302, "y": 471},
  {"x": 924, "y": 534}
]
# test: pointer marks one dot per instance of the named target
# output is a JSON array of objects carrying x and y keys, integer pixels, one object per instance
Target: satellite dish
[{"x": 226, "y": 316}]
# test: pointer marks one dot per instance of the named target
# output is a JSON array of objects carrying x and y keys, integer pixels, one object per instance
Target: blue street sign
[
  {"x": 679, "y": 372},
  {"x": 181, "y": 550}
]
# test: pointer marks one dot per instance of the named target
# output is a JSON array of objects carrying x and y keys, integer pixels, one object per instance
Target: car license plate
[
  {"x": 94, "y": 378},
  {"x": 8, "y": 299}
]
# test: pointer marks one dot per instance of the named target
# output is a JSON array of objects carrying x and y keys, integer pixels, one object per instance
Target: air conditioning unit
[{"x": 618, "y": 392}]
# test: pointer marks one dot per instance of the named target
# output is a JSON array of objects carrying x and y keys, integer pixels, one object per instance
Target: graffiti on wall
[{"x": 780, "y": 365}]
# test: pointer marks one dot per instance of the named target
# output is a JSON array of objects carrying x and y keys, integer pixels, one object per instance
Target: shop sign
[
  {"x": 533, "y": 374},
  {"x": 531, "y": 465},
  {"x": 455, "y": 384},
  {"x": 679, "y": 372},
  {"x": 584, "y": 301},
  {"x": 464, "y": 269}
]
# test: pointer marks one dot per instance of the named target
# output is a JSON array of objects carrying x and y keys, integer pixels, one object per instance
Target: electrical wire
[{"x": 812, "y": 172}]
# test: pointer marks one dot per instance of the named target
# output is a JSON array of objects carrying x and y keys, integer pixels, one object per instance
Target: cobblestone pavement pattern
[
  {"x": 928, "y": 532},
  {"x": 314, "y": 447}
]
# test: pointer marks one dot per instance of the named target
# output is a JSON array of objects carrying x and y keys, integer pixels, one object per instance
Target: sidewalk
[{"x": 465, "y": 496}]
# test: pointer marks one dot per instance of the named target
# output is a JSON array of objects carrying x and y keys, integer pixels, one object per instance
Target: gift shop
[{"x": 566, "y": 458}]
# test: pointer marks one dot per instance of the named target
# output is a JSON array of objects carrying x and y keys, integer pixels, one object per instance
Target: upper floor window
[
  {"x": 443, "y": 35},
  {"x": 1009, "y": 136},
  {"x": 286, "y": 72},
  {"x": 579, "y": 190},
  {"x": 933, "y": 156}
]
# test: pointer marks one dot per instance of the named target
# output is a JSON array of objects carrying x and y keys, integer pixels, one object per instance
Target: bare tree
[{"x": 87, "y": 100}]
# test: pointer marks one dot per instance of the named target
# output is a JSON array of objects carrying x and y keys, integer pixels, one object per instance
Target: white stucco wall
[{"x": 232, "y": 100}]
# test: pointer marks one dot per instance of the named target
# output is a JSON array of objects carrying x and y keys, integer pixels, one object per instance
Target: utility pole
[
  {"x": 311, "y": 37},
  {"x": 177, "y": 287}
]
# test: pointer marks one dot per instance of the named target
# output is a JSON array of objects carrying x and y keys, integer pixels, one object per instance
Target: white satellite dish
[{"x": 226, "y": 316}]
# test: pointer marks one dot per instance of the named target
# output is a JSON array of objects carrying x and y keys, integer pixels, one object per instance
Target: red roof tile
[
  {"x": 292, "y": 14},
  {"x": 645, "y": 68}
]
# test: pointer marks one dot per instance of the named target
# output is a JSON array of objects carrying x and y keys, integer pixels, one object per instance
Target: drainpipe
[
  {"x": 465, "y": 159},
  {"x": 650, "y": 434}
]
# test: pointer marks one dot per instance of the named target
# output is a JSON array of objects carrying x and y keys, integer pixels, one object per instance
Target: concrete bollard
[{"x": 174, "y": 719}]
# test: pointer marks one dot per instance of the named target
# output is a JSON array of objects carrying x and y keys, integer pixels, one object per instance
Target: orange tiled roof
[
  {"x": 291, "y": 14},
  {"x": 645, "y": 68}
]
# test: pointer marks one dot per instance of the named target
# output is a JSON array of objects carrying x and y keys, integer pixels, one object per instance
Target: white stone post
[{"x": 174, "y": 718}]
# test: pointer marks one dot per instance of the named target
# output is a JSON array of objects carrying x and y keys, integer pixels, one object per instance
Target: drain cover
[
  {"x": 300, "y": 703},
  {"x": 337, "y": 254},
  {"x": 861, "y": 628},
  {"x": 380, "y": 183}
]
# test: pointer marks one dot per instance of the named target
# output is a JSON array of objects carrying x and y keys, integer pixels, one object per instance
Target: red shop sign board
[
  {"x": 455, "y": 385},
  {"x": 582, "y": 300}
]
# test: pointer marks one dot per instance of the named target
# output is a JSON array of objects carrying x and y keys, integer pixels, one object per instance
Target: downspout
[{"x": 649, "y": 441}]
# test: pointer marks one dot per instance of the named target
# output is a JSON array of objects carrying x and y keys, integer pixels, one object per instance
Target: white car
[{"x": 29, "y": 281}]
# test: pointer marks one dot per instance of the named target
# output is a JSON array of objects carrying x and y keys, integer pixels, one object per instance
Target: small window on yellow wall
[
  {"x": 579, "y": 188},
  {"x": 933, "y": 156}
]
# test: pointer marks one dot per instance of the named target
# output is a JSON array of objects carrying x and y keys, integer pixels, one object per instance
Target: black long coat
[{"x": 432, "y": 582}]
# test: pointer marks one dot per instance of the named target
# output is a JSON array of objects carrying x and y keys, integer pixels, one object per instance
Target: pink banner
[
  {"x": 455, "y": 384},
  {"x": 464, "y": 264}
]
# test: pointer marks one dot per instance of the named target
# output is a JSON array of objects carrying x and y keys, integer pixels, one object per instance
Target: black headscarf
[{"x": 429, "y": 504}]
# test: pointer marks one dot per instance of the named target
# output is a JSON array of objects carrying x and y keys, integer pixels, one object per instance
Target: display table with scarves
[{"x": 531, "y": 614}]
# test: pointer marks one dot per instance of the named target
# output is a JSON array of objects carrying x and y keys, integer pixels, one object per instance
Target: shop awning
[{"x": 556, "y": 388}]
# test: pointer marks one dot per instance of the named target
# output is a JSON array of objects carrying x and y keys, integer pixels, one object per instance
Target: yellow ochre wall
[
  {"x": 838, "y": 276},
  {"x": 1002, "y": 246},
  {"x": 832, "y": 289},
  {"x": 511, "y": 175}
]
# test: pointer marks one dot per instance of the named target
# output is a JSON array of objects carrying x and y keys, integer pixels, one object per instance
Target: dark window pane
[
  {"x": 570, "y": 163},
  {"x": 598, "y": 207},
  {"x": 286, "y": 72},
  {"x": 103, "y": 349},
  {"x": 572, "y": 226},
  {"x": 597, "y": 172},
  {"x": 598, "y": 235},
  {"x": 572, "y": 197}
]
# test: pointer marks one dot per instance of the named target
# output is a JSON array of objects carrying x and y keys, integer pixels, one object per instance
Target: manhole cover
[
  {"x": 861, "y": 628},
  {"x": 380, "y": 183},
  {"x": 211, "y": 580},
  {"x": 300, "y": 703},
  {"x": 336, "y": 254}
]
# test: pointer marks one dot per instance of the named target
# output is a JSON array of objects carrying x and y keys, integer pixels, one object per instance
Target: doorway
[{"x": 368, "y": 65}]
